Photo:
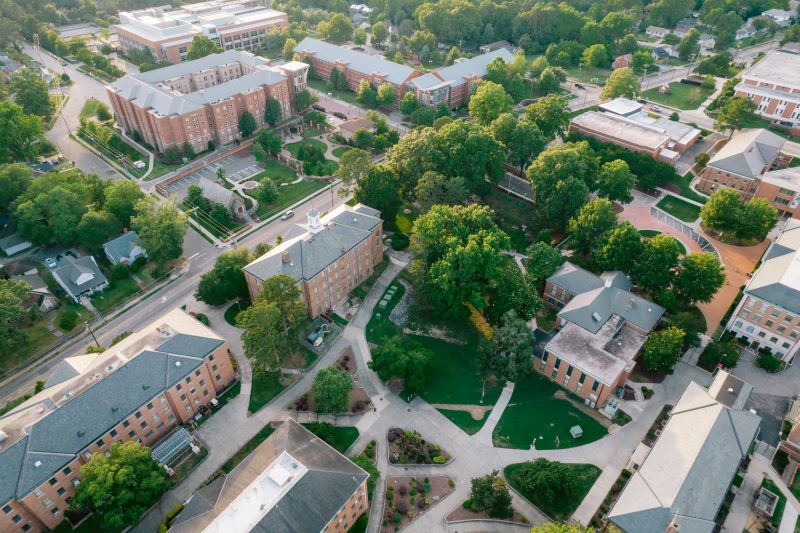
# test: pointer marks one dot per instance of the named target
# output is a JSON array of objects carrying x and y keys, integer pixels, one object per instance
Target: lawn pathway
[{"x": 484, "y": 436}]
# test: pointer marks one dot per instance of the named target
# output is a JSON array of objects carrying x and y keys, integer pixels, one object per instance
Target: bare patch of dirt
[
  {"x": 475, "y": 411},
  {"x": 435, "y": 333}
]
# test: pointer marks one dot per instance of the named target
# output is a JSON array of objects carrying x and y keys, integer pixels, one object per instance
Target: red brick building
[
  {"x": 773, "y": 83},
  {"x": 201, "y": 101},
  {"x": 139, "y": 389}
]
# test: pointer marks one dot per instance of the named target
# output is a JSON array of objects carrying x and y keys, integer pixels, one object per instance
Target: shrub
[
  {"x": 440, "y": 459},
  {"x": 402, "y": 507},
  {"x": 68, "y": 320},
  {"x": 780, "y": 461},
  {"x": 402, "y": 489},
  {"x": 203, "y": 319},
  {"x": 389, "y": 494},
  {"x": 39, "y": 387},
  {"x": 120, "y": 271},
  {"x": 397, "y": 518},
  {"x": 400, "y": 241},
  {"x": 769, "y": 362},
  {"x": 467, "y": 504}
]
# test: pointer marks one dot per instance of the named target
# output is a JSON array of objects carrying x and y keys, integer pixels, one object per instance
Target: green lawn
[
  {"x": 287, "y": 194},
  {"x": 649, "y": 233},
  {"x": 279, "y": 173},
  {"x": 339, "y": 151},
  {"x": 535, "y": 413},
  {"x": 159, "y": 169},
  {"x": 347, "y": 96},
  {"x": 340, "y": 438},
  {"x": 795, "y": 162},
  {"x": 684, "y": 96},
  {"x": 678, "y": 208},
  {"x": 546, "y": 318},
  {"x": 682, "y": 183},
  {"x": 795, "y": 488},
  {"x": 464, "y": 420},
  {"x": 586, "y": 74},
  {"x": 294, "y": 148},
  {"x": 266, "y": 385},
  {"x": 245, "y": 450},
  {"x": 39, "y": 338},
  {"x": 89, "y": 109},
  {"x": 584, "y": 476},
  {"x": 117, "y": 292}
]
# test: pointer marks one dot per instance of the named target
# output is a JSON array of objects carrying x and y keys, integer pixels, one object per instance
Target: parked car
[
  {"x": 580, "y": 86},
  {"x": 339, "y": 115},
  {"x": 50, "y": 263},
  {"x": 287, "y": 215},
  {"x": 655, "y": 108},
  {"x": 318, "y": 107}
]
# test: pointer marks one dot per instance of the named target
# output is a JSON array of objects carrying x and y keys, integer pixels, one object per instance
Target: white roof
[
  {"x": 357, "y": 61},
  {"x": 778, "y": 67},
  {"x": 621, "y": 106}
]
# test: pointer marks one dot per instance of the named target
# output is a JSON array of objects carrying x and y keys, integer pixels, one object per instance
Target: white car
[
  {"x": 655, "y": 108},
  {"x": 50, "y": 263},
  {"x": 287, "y": 215}
]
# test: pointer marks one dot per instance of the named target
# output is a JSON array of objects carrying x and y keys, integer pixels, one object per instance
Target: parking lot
[{"x": 237, "y": 167}]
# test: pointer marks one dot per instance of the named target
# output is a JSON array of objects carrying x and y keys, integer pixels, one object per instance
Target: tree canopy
[
  {"x": 699, "y": 277},
  {"x": 332, "y": 390},
  {"x": 226, "y": 280},
  {"x": 161, "y": 228},
  {"x": 508, "y": 355},
  {"x": 489, "y": 102},
  {"x": 662, "y": 349},
  {"x": 592, "y": 223},
  {"x": 379, "y": 189},
  {"x": 394, "y": 360},
  {"x": 550, "y": 114},
  {"x": 725, "y": 212},
  {"x": 622, "y": 82},
  {"x": 202, "y": 46},
  {"x": 490, "y": 493}
]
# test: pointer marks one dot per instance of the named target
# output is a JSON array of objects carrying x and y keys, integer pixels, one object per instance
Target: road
[
  {"x": 82, "y": 88},
  {"x": 201, "y": 256}
]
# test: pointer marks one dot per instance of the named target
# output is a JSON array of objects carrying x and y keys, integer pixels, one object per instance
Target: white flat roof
[
  {"x": 781, "y": 68},
  {"x": 621, "y": 106},
  {"x": 618, "y": 127}
]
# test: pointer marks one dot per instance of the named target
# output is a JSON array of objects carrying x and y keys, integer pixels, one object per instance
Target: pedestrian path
[{"x": 484, "y": 436}]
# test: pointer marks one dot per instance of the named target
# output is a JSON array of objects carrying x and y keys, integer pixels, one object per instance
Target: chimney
[{"x": 285, "y": 256}]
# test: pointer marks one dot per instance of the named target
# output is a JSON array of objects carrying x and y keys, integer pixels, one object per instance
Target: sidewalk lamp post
[{"x": 89, "y": 329}]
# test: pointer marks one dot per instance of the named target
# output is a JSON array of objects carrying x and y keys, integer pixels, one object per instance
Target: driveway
[{"x": 771, "y": 408}]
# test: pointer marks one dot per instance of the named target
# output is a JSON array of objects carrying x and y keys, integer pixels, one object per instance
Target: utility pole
[{"x": 89, "y": 328}]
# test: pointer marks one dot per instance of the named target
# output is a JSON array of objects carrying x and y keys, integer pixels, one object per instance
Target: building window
[
  {"x": 100, "y": 443},
  {"x": 17, "y": 518},
  {"x": 125, "y": 424},
  {"x": 47, "y": 503},
  {"x": 7, "y": 509},
  {"x": 56, "y": 511},
  {"x": 138, "y": 414},
  {"x": 144, "y": 425},
  {"x": 113, "y": 433},
  {"x": 738, "y": 324},
  {"x": 761, "y": 334},
  {"x": 769, "y": 323},
  {"x": 53, "y": 481},
  {"x": 131, "y": 434},
  {"x": 67, "y": 471},
  {"x": 38, "y": 492},
  {"x": 178, "y": 386},
  {"x": 61, "y": 491},
  {"x": 183, "y": 397},
  {"x": 745, "y": 313},
  {"x": 26, "y": 527},
  {"x": 595, "y": 385}
]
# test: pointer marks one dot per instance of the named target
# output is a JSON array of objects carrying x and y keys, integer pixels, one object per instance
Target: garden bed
[
  {"x": 407, "y": 447},
  {"x": 655, "y": 430},
  {"x": 463, "y": 513},
  {"x": 611, "y": 498},
  {"x": 407, "y": 498}
]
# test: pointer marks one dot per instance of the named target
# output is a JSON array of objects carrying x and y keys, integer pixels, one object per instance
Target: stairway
[{"x": 765, "y": 450}]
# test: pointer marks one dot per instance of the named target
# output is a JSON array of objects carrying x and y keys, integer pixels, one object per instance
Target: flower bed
[
  {"x": 407, "y": 498},
  {"x": 408, "y": 447}
]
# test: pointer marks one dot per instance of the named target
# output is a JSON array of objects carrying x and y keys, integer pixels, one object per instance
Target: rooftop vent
[
  {"x": 596, "y": 316},
  {"x": 285, "y": 256},
  {"x": 81, "y": 433},
  {"x": 177, "y": 363},
  {"x": 146, "y": 386},
  {"x": 730, "y": 389},
  {"x": 37, "y": 464},
  {"x": 114, "y": 409}
]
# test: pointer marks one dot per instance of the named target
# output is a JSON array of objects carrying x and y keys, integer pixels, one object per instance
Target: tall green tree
[
  {"x": 247, "y": 124},
  {"x": 52, "y": 216},
  {"x": 392, "y": 360},
  {"x": 434, "y": 188},
  {"x": 14, "y": 180},
  {"x": 161, "y": 227},
  {"x": 269, "y": 141},
  {"x": 96, "y": 228},
  {"x": 353, "y": 167},
  {"x": 379, "y": 33},
  {"x": 621, "y": 248},
  {"x": 721, "y": 212},
  {"x": 379, "y": 189},
  {"x": 385, "y": 94},
  {"x": 690, "y": 44},
  {"x": 662, "y": 349},
  {"x": 622, "y": 82},
  {"x": 489, "y": 102},
  {"x": 551, "y": 481},
  {"x": 267, "y": 191},
  {"x": 550, "y": 114},
  {"x": 337, "y": 28},
  {"x": 18, "y": 133},
  {"x": 273, "y": 112},
  {"x": 12, "y": 293},
  {"x": 490, "y": 493},
  {"x": 523, "y": 139},
  {"x": 734, "y": 114},
  {"x": 592, "y": 223},
  {"x": 31, "y": 93},
  {"x": 120, "y": 200},
  {"x": 655, "y": 268},
  {"x": 699, "y": 277},
  {"x": 616, "y": 181},
  {"x": 757, "y": 218},
  {"x": 511, "y": 290},
  {"x": 288, "y": 48},
  {"x": 508, "y": 355},
  {"x": 543, "y": 260},
  {"x": 332, "y": 390},
  {"x": 202, "y": 46},
  {"x": 409, "y": 103},
  {"x": 226, "y": 280},
  {"x": 120, "y": 486}
]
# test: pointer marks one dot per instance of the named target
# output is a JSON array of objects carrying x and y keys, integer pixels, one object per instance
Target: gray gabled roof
[
  {"x": 121, "y": 247},
  {"x": 357, "y": 61},
  {"x": 456, "y": 73},
  {"x": 688, "y": 472},
  {"x": 748, "y": 153},
  {"x": 777, "y": 280},
  {"x": 192, "y": 345},
  {"x": 574, "y": 279},
  {"x": 10, "y": 460},
  {"x": 592, "y": 309},
  {"x": 70, "y": 274}
]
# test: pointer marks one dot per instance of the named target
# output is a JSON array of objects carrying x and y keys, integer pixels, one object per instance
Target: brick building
[
  {"x": 773, "y": 83},
  {"x": 201, "y": 100},
  {"x": 167, "y": 32},
  {"x": 602, "y": 326},
  {"x": 327, "y": 257},
  {"x": 293, "y": 481},
  {"x": 745, "y": 163},
  {"x": 768, "y": 315},
  {"x": 139, "y": 389}
]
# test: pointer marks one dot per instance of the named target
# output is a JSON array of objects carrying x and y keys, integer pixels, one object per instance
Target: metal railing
[{"x": 673, "y": 222}]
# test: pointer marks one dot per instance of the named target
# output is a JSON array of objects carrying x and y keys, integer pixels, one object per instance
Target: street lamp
[{"x": 89, "y": 329}]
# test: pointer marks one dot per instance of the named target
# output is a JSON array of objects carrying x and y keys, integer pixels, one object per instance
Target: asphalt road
[{"x": 200, "y": 257}]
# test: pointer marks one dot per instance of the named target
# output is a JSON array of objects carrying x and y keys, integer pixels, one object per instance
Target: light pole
[{"x": 89, "y": 328}]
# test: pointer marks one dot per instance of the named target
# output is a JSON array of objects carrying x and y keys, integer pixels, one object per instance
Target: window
[
  {"x": 769, "y": 323},
  {"x": 170, "y": 418},
  {"x": 160, "y": 425},
  {"x": 196, "y": 372},
  {"x": 138, "y": 414},
  {"x": 53, "y": 481},
  {"x": 61, "y": 491},
  {"x": 16, "y": 519},
  {"x": 75, "y": 482},
  {"x": 47, "y": 503},
  {"x": 149, "y": 405},
  {"x": 788, "y": 319},
  {"x": 764, "y": 307},
  {"x": 148, "y": 434},
  {"x": 738, "y": 324},
  {"x": 178, "y": 386},
  {"x": 100, "y": 443},
  {"x": 7, "y": 509},
  {"x": 745, "y": 313},
  {"x": 183, "y": 397},
  {"x": 757, "y": 319},
  {"x": 205, "y": 393},
  {"x": 56, "y": 511},
  {"x": 131, "y": 433},
  {"x": 188, "y": 379},
  {"x": 125, "y": 424},
  {"x": 775, "y": 313},
  {"x": 67, "y": 471},
  {"x": 595, "y": 385},
  {"x": 38, "y": 492},
  {"x": 144, "y": 425},
  {"x": 113, "y": 433},
  {"x": 793, "y": 334},
  {"x": 762, "y": 334},
  {"x": 786, "y": 345},
  {"x": 202, "y": 383}
]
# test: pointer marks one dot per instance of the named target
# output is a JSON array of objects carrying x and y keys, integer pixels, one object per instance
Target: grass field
[
  {"x": 339, "y": 437},
  {"x": 294, "y": 148},
  {"x": 39, "y": 338},
  {"x": 584, "y": 476},
  {"x": 347, "y": 96},
  {"x": 684, "y": 96},
  {"x": 678, "y": 208},
  {"x": 464, "y": 420},
  {"x": 588, "y": 74},
  {"x": 535, "y": 413},
  {"x": 266, "y": 385},
  {"x": 511, "y": 213},
  {"x": 682, "y": 183},
  {"x": 117, "y": 292},
  {"x": 288, "y": 194},
  {"x": 339, "y": 151}
]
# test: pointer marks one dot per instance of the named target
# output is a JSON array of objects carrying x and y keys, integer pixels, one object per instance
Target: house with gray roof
[
  {"x": 682, "y": 483},
  {"x": 602, "y": 327},
  {"x": 217, "y": 194},
  {"x": 768, "y": 315},
  {"x": 293, "y": 482},
  {"x": 327, "y": 257},
  {"x": 80, "y": 277},
  {"x": 124, "y": 249}
]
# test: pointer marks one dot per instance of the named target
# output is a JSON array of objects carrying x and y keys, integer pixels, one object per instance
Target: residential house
[
  {"x": 217, "y": 194},
  {"x": 685, "y": 478},
  {"x": 773, "y": 84},
  {"x": 124, "y": 249},
  {"x": 328, "y": 256},
  {"x": 707, "y": 43},
  {"x": 601, "y": 329},
  {"x": 348, "y": 128},
  {"x": 664, "y": 52},
  {"x": 497, "y": 45},
  {"x": 80, "y": 277},
  {"x": 293, "y": 481},
  {"x": 623, "y": 61},
  {"x": 14, "y": 244},
  {"x": 38, "y": 294},
  {"x": 781, "y": 17},
  {"x": 747, "y": 30},
  {"x": 683, "y": 27},
  {"x": 768, "y": 314},
  {"x": 657, "y": 32},
  {"x": 139, "y": 389}
]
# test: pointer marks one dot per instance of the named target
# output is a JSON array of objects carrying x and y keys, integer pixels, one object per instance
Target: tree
[
  {"x": 360, "y": 37},
  {"x": 379, "y": 189},
  {"x": 337, "y": 28},
  {"x": 120, "y": 200},
  {"x": 12, "y": 293},
  {"x": 489, "y": 101},
  {"x": 643, "y": 61},
  {"x": 385, "y": 94},
  {"x": 508, "y": 355},
  {"x": 366, "y": 95},
  {"x": 543, "y": 260},
  {"x": 511, "y": 290},
  {"x": 288, "y": 48},
  {"x": 621, "y": 248},
  {"x": 14, "y": 180},
  {"x": 120, "y": 486},
  {"x": 523, "y": 139},
  {"x": 267, "y": 191},
  {"x": 615, "y": 181},
  {"x": 96, "y": 228},
  {"x": 273, "y": 112},
  {"x": 569, "y": 160},
  {"x": 18, "y": 133},
  {"x": 550, "y": 80},
  {"x": 51, "y": 216},
  {"x": 202, "y": 46},
  {"x": 332, "y": 390},
  {"x": 655, "y": 268},
  {"x": 363, "y": 138},
  {"x": 269, "y": 141},
  {"x": 662, "y": 349},
  {"x": 551, "y": 481},
  {"x": 699, "y": 277},
  {"x": 226, "y": 280},
  {"x": 596, "y": 56},
  {"x": 553, "y": 527},
  {"x": 161, "y": 227},
  {"x": 758, "y": 216},
  {"x": 379, "y": 33},
  {"x": 31, "y": 93},
  {"x": 247, "y": 124},
  {"x": 435, "y": 188},
  {"x": 734, "y": 114},
  {"x": 195, "y": 198},
  {"x": 459, "y": 250},
  {"x": 353, "y": 167},
  {"x": 689, "y": 45},
  {"x": 702, "y": 159},
  {"x": 551, "y": 114},
  {"x": 392, "y": 360},
  {"x": 622, "y": 82},
  {"x": 721, "y": 212},
  {"x": 490, "y": 493},
  {"x": 409, "y": 103},
  {"x": 593, "y": 222}
]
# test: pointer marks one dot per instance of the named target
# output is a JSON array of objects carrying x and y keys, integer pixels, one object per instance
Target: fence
[{"x": 673, "y": 222}]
